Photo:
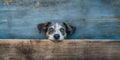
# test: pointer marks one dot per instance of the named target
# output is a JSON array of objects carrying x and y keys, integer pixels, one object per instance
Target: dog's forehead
[{"x": 56, "y": 25}]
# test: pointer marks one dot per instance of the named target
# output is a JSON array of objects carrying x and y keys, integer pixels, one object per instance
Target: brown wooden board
[{"x": 66, "y": 50}]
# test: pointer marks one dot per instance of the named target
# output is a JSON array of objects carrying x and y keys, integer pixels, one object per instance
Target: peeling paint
[{"x": 94, "y": 19}]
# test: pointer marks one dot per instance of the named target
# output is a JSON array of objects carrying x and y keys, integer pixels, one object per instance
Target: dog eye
[
  {"x": 62, "y": 29},
  {"x": 51, "y": 29}
]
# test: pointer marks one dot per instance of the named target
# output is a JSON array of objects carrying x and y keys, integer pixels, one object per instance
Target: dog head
[{"x": 56, "y": 31}]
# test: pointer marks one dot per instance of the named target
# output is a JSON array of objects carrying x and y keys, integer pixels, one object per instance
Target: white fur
[{"x": 56, "y": 27}]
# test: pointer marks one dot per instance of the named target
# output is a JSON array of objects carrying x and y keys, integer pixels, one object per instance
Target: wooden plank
[
  {"x": 93, "y": 19},
  {"x": 65, "y": 50}
]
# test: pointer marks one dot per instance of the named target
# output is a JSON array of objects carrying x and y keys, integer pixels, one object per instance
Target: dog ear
[
  {"x": 69, "y": 29},
  {"x": 43, "y": 26}
]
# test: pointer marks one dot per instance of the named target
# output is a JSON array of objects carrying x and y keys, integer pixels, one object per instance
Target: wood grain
[
  {"x": 93, "y": 19},
  {"x": 65, "y": 50}
]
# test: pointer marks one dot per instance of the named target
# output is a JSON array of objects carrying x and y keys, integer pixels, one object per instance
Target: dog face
[{"x": 56, "y": 31}]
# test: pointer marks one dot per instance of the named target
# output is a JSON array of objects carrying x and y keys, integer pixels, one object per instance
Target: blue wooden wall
[{"x": 94, "y": 19}]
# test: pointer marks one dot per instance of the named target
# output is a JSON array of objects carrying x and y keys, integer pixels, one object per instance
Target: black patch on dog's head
[
  {"x": 43, "y": 27},
  {"x": 69, "y": 29}
]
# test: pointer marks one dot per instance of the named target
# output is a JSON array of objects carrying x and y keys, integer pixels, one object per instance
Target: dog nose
[{"x": 56, "y": 36}]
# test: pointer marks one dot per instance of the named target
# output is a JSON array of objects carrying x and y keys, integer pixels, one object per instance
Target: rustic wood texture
[
  {"x": 93, "y": 19},
  {"x": 65, "y": 50}
]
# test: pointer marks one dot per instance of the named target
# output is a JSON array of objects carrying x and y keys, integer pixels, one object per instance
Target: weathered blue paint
[{"x": 92, "y": 18}]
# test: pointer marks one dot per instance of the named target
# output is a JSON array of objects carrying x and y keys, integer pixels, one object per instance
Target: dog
[{"x": 56, "y": 31}]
